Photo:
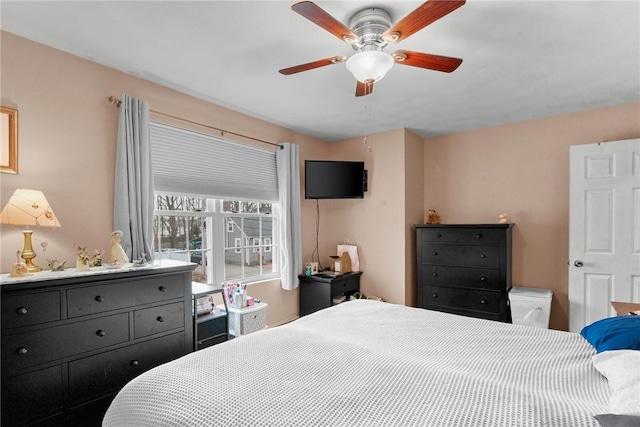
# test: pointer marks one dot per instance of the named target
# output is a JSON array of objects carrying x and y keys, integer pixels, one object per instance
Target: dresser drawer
[
  {"x": 96, "y": 375},
  {"x": 481, "y": 278},
  {"x": 480, "y": 301},
  {"x": 437, "y": 297},
  {"x": 45, "y": 345},
  {"x": 479, "y": 236},
  {"x": 464, "y": 300},
  {"x": 345, "y": 286},
  {"x": 212, "y": 328},
  {"x": 210, "y": 341},
  {"x": 30, "y": 309},
  {"x": 87, "y": 415},
  {"x": 469, "y": 256},
  {"x": 99, "y": 298},
  {"x": 441, "y": 235},
  {"x": 158, "y": 319},
  {"x": 31, "y": 396}
]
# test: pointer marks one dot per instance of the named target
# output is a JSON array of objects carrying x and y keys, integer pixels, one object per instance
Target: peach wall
[
  {"x": 414, "y": 210},
  {"x": 522, "y": 169},
  {"x": 376, "y": 222},
  {"x": 67, "y": 140}
]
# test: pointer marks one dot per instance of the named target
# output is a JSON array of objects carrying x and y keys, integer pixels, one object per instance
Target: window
[
  {"x": 197, "y": 229},
  {"x": 215, "y": 200}
]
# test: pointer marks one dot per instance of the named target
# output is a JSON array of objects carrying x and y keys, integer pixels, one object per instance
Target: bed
[{"x": 368, "y": 363}]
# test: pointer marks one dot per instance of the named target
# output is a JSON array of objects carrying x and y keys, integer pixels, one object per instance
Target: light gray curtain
[
  {"x": 289, "y": 236},
  {"x": 133, "y": 186}
]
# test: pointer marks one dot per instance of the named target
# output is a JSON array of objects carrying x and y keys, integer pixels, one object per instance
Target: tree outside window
[{"x": 230, "y": 240}]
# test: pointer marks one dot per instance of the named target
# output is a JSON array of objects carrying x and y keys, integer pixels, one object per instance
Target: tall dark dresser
[
  {"x": 71, "y": 340},
  {"x": 465, "y": 269}
]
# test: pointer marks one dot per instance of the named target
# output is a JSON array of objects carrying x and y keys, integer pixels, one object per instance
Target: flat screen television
[{"x": 331, "y": 179}]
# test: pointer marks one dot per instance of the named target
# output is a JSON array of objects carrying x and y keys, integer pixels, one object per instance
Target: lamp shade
[
  {"x": 28, "y": 207},
  {"x": 369, "y": 66}
]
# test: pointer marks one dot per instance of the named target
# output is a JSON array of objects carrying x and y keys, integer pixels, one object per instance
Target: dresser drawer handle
[
  {"x": 434, "y": 274},
  {"x": 478, "y": 235},
  {"x": 22, "y": 351},
  {"x": 483, "y": 278},
  {"x": 160, "y": 319},
  {"x": 434, "y": 295},
  {"x": 438, "y": 235},
  {"x": 22, "y": 311},
  {"x": 434, "y": 253},
  {"x": 101, "y": 333},
  {"x": 483, "y": 256},
  {"x": 483, "y": 301},
  {"x": 100, "y": 298},
  {"x": 162, "y": 288},
  {"x": 134, "y": 363}
]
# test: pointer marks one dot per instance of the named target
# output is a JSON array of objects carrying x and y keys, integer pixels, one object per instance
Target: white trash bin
[{"x": 530, "y": 306}]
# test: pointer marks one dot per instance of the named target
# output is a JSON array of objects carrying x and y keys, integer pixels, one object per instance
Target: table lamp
[{"x": 28, "y": 207}]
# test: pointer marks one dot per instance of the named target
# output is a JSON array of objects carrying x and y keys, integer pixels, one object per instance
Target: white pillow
[{"x": 622, "y": 369}]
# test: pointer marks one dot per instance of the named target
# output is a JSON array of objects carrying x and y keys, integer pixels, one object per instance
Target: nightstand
[
  {"x": 317, "y": 291},
  {"x": 210, "y": 328}
]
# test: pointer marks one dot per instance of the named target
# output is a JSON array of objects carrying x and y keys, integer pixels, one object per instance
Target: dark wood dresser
[
  {"x": 465, "y": 269},
  {"x": 71, "y": 340}
]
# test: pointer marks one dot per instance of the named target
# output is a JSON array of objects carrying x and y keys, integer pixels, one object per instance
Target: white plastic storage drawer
[
  {"x": 243, "y": 321},
  {"x": 530, "y": 306}
]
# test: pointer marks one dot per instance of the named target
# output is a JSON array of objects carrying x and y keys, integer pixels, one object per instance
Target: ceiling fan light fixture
[{"x": 369, "y": 66}]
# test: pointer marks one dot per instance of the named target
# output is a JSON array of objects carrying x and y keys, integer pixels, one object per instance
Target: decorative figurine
[
  {"x": 96, "y": 259},
  {"x": 432, "y": 217},
  {"x": 118, "y": 255},
  {"x": 19, "y": 269},
  {"x": 56, "y": 265},
  {"x": 82, "y": 263},
  {"x": 503, "y": 218}
]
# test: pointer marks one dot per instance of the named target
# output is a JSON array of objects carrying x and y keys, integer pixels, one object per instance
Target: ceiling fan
[{"x": 370, "y": 31}]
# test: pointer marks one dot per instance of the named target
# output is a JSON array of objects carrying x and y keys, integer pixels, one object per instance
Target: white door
[{"x": 604, "y": 232}]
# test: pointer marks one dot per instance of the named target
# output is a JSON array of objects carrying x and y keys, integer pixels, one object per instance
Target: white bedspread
[{"x": 366, "y": 363}]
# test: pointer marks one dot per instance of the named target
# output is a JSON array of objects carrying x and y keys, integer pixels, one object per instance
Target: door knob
[{"x": 578, "y": 263}]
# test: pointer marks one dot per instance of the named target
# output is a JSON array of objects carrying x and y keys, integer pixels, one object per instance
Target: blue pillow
[{"x": 614, "y": 333}]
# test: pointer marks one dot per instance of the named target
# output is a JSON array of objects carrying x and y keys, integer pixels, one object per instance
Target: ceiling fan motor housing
[{"x": 369, "y": 25}]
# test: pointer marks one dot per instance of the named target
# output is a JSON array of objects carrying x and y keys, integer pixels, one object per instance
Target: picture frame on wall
[{"x": 9, "y": 140}]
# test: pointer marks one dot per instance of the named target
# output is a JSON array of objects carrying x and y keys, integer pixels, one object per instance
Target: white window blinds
[{"x": 189, "y": 162}]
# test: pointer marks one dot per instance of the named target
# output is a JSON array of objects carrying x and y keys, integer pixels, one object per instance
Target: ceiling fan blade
[
  {"x": 311, "y": 65},
  {"x": 363, "y": 89},
  {"x": 319, "y": 17},
  {"x": 424, "y": 15},
  {"x": 445, "y": 64}
]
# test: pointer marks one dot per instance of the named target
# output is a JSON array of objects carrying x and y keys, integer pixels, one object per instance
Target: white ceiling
[{"x": 522, "y": 59}]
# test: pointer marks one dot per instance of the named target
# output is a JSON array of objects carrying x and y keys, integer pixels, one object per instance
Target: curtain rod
[{"x": 115, "y": 101}]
